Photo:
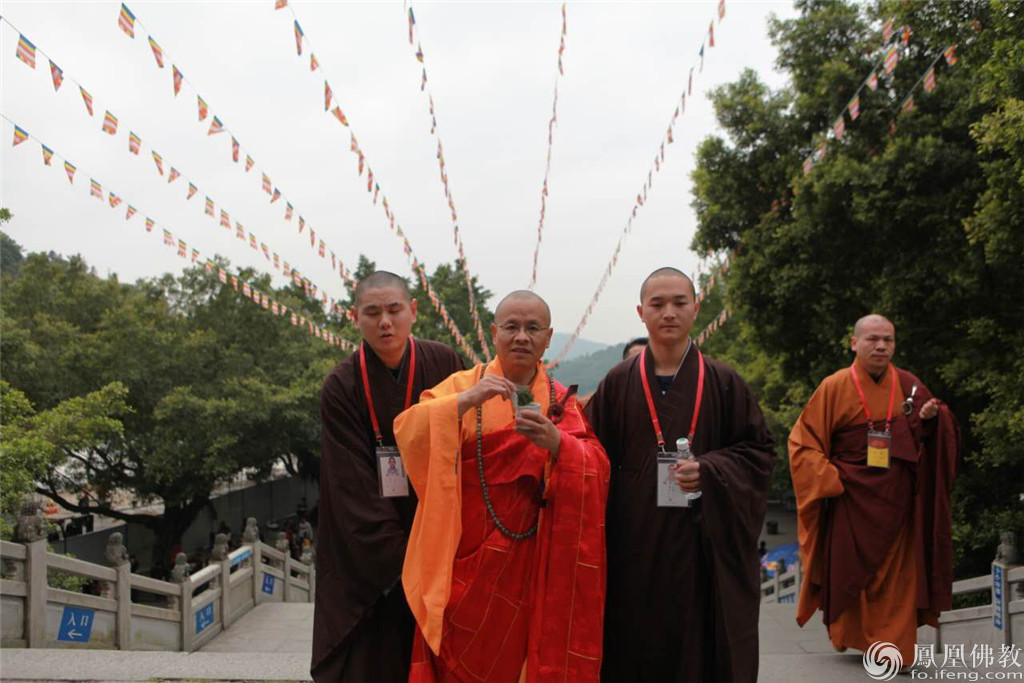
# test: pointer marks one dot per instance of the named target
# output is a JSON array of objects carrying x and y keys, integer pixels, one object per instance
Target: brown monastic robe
[
  {"x": 875, "y": 543},
  {"x": 362, "y": 627},
  {"x": 683, "y": 584}
]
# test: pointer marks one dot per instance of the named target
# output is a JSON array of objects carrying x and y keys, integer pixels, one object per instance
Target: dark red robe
[
  {"x": 362, "y": 627},
  {"x": 683, "y": 584}
]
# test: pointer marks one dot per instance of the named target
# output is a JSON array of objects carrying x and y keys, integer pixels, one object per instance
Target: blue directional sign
[
  {"x": 268, "y": 583},
  {"x": 997, "y": 596},
  {"x": 204, "y": 617},
  {"x": 76, "y": 625}
]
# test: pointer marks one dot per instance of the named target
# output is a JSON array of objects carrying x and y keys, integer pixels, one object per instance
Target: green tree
[{"x": 919, "y": 219}]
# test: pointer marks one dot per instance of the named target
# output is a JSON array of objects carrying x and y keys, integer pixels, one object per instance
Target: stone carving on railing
[
  {"x": 251, "y": 535},
  {"x": 179, "y": 574},
  {"x": 220, "y": 548},
  {"x": 307, "y": 552},
  {"x": 30, "y": 527}
]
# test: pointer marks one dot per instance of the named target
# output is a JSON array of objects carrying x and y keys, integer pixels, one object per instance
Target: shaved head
[
  {"x": 523, "y": 295},
  {"x": 870, "y": 319},
  {"x": 381, "y": 279},
  {"x": 667, "y": 271}
]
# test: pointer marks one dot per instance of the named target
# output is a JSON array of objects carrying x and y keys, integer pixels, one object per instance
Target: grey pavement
[{"x": 273, "y": 641}]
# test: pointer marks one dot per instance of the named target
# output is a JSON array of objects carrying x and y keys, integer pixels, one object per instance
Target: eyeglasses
[{"x": 512, "y": 329}]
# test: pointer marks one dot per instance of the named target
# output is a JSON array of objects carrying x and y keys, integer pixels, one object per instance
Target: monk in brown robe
[
  {"x": 873, "y": 458},
  {"x": 683, "y": 583},
  {"x": 505, "y": 571},
  {"x": 362, "y": 627}
]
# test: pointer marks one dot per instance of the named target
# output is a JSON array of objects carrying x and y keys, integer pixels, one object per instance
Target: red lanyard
[
  {"x": 650, "y": 401},
  {"x": 369, "y": 396},
  {"x": 864, "y": 403}
]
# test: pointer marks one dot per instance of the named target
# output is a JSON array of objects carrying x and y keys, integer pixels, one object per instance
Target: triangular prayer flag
[
  {"x": 302, "y": 224},
  {"x": 279, "y": 4},
  {"x": 149, "y": 225},
  {"x": 288, "y": 211},
  {"x": 873, "y": 80},
  {"x": 702, "y": 57},
  {"x": 168, "y": 238},
  {"x": 905, "y": 36},
  {"x": 47, "y": 154},
  {"x": 182, "y": 248},
  {"x": 172, "y": 175},
  {"x": 209, "y": 207},
  {"x": 929, "y": 79},
  {"x": 215, "y": 127},
  {"x": 887, "y": 30},
  {"x": 109, "y": 123},
  {"x": 908, "y": 105},
  {"x": 711, "y": 34},
  {"x": 313, "y": 64},
  {"x": 275, "y": 196},
  {"x": 58, "y": 76},
  {"x": 223, "y": 275},
  {"x": 96, "y": 190},
  {"x": 134, "y": 143},
  {"x": 252, "y": 241},
  {"x": 327, "y": 95},
  {"x": 203, "y": 108},
  {"x": 114, "y": 199},
  {"x": 808, "y": 165},
  {"x": 248, "y": 162},
  {"x": 127, "y": 21},
  {"x": 266, "y": 250},
  {"x": 225, "y": 220},
  {"x": 892, "y": 57},
  {"x": 234, "y": 150},
  {"x": 298, "y": 37},
  {"x": 854, "y": 107},
  {"x": 340, "y": 115},
  {"x": 192, "y": 189},
  {"x": 950, "y": 55},
  {"x": 19, "y": 135},
  {"x": 839, "y": 127},
  {"x": 178, "y": 78},
  {"x": 412, "y": 23},
  {"x": 419, "y": 53},
  {"x": 423, "y": 83},
  {"x": 87, "y": 98},
  {"x": 689, "y": 83},
  {"x": 239, "y": 231},
  {"x": 267, "y": 185},
  {"x": 158, "y": 54},
  {"x": 70, "y": 169},
  {"x": 129, "y": 212},
  {"x": 26, "y": 51},
  {"x": 721, "y": 10},
  {"x": 159, "y": 161}
]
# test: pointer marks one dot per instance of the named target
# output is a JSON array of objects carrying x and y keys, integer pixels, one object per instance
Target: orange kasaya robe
[
  {"x": 490, "y": 607},
  {"x": 874, "y": 542}
]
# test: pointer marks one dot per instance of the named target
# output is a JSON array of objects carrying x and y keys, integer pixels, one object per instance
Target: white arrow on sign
[{"x": 74, "y": 634}]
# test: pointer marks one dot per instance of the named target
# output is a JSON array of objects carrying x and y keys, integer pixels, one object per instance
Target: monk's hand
[
  {"x": 688, "y": 475},
  {"x": 540, "y": 430},
  {"x": 929, "y": 409},
  {"x": 484, "y": 390}
]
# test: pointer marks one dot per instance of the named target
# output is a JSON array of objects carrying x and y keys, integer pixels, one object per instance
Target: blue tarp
[{"x": 790, "y": 553}]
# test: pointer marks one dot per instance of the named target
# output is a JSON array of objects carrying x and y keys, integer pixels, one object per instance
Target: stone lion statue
[{"x": 116, "y": 554}]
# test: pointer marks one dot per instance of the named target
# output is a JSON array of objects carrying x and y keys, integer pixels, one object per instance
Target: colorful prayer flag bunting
[
  {"x": 267, "y": 186},
  {"x": 298, "y": 37},
  {"x": 58, "y": 76},
  {"x": 711, "y": 34},
  {"x": 172, "y": 175},
  {"x": 279, "y": 4},
  {"x": 252, "y": 241},
  {"x": 109, "y": 123},
  {"x": 908, "y": 105},
  {"x": 182, "y": 248},
  {"x": 235, "y": 148},
  {"x": 808, "y": 165},
  {"x": 203, "y": 108},
  {"x": 209, "y": 206},
  {"x": 327, "y": 95},
  {"x": 129, "y": 212},
  {"x": 178, "y": 78},
  {"x": 158, "y": 54},
  {"x": 892, "y": 57},
  {"x": 168, "y": 237},
  {"x": 905, "y": 36},
  {"x": 412, "y": 23},
  {"x": 721, "y": 10},
  {"x": 192, "y": 189},
  {"x": 288, "y": 211},
  {"x": 159, "y": 161},
  {"x": 96, "y": 190},
  {"x": 225, "y": 220},
  {"x": 313, "y": 64},
  {"x": 248, "y": 162},
  {"x": 419, "y": 53},
  {"x": 239, "y": 231},
  {"x": 276, "y": 196},
  {"x": 26, "y": 51},
  {"x": 87, "y": 98},
  {"x": 134, "y": 143},
  {"x": 339, "y": 115},
  {"x": 887, "y": 29},
  {"x": 854, "y": 107},
  {"x": 47, "y": 154},
  {"x": 127, "y": 21},
  {"x": 950, "y": 55},
  {"x": 929, "y": 79},
  {"x": 215, "y": 127},
  {"x": 873, "y": 80},
  {"x": 70, "y": 169},
  {"x": 839, "y": 127},
  {"x": 149, "y": 224},
  {"x": 19, "y": 135},
  {"x": 114, "y": 199}
]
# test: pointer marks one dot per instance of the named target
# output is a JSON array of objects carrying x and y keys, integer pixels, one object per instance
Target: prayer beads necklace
[{"x": 508, "y": 533}]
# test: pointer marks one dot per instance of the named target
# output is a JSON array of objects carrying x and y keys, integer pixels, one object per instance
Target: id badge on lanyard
[
  {"x": 878, "y": 440},
  {"x": 878, "y": 448},
  {"x": 393, "y": 481},
  {"x": 669, "y": 493}
]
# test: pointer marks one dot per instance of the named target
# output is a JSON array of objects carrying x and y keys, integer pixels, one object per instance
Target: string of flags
[
  {"x": 373, "y": 185},
  {"x": 111, "y": 124},
  {"x": 895, "y": 42},
  {"x": 127, "y": 22},
  {"x": 184, "y": 249},
  {"x": 707, "y": 42},
  {"x": 547, "y": 163},
  {"x": 713, "y": 326},
  {"x": 414, "y": 39}
]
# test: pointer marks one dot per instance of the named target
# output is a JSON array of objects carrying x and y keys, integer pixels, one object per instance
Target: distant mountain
[
  {"x": 582, "y": 347},
  {"x": 589, "y": 370}
]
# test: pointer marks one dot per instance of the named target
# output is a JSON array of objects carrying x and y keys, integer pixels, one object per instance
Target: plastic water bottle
[{"x": 683, "y": 449}]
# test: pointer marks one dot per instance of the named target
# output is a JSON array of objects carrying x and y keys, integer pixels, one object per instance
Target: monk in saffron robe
[
  {"x": 505, "y": 569},
  {"x": 683, "y": 583},
  {"x": 362, "y": 627},
  {"x": 873, "y": 458}
]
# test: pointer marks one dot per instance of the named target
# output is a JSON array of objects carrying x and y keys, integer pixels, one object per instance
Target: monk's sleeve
[
  {"x": 429, "y": 438},
  {"x": 370, "y": 522},
  {"x": 735, "y": 477}
]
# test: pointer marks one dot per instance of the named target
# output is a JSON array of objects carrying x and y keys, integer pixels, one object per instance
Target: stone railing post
[
  {"x": 219, "y": 556},
  {"x": 257, "y": 571},
  {"x": 116, "y": 556},
  {"x": 286, "y": 565},
  {"x": 310, "y": 562},
  {"x": 31, "y": 531}
]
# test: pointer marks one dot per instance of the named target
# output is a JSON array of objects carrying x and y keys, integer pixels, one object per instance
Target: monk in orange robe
[
  {"x": 873, "y": 458},
  {"x": 505, "y": 566}
]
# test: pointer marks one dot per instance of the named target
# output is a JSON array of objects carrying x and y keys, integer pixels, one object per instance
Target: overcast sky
[{"x": 492, "y": 68}]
